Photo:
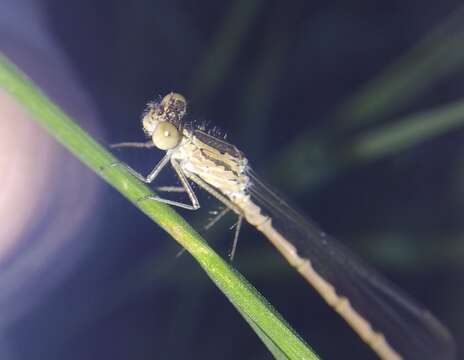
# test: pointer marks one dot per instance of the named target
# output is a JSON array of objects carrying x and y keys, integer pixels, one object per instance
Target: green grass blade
[
  {"x": 271, "y": 346},
  {"x": 324, "y": 158},
  {"x": 439, "y": 54},
  {"x": 223, "y": 49},
  {"x": 77, "y": 141},
  {"x": 409, "y": 131}
]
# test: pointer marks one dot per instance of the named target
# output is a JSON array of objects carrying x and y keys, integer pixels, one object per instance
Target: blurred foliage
[
  {"x": 355, "y": 110},
  {"x": 375, "y": 123},
  {"x": 436, "y": 56},
  {"x": 223, "y": 50}
]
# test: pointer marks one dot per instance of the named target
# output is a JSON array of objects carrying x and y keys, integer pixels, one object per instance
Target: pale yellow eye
[{"x": 166, "y": 136}]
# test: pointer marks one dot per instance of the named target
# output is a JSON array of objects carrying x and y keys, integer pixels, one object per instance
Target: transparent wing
[{"x": 407, "y": 326}]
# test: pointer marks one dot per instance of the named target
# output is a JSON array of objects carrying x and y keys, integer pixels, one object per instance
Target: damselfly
[{"x": 394, "y": 326}]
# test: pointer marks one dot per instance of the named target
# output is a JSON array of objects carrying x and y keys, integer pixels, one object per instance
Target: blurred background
[{"x": 353, "y": 110}]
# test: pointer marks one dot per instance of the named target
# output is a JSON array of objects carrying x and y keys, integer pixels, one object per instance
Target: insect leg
[
  {"x": 185, "y": 184},
  {"x": 145, "y": 145}
]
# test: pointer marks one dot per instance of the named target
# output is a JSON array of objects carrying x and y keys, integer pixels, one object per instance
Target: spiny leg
[
  {"x": 185, "y": 184},
  {"x": 152, "y": 175},
  {"x": 237, "y": 226},
  {"x": 218, "y": 217},
  {"x": 180, "y": 252},
  {"x": 227, "y": 203},
  {"x": 170, "y": 188},
  {"x": 145, "y": 145},
  {"x": 207, "y": 226}
]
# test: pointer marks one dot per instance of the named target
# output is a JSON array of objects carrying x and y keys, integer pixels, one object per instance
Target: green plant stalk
[
  {"x": 437, "y": 55},
  {"x": 271, "y": 346},
  {"x": 242, "y": 294},
  {"x": 224, "y": 48},
  {"x": 409, "y": 131},
  {"x": 386, "y": 140}
]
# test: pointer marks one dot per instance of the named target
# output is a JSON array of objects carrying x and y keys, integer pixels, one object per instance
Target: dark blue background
[{"x": 266, "y": 72}]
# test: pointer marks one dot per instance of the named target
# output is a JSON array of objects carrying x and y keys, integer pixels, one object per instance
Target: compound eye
[{"x": 166, "y": 136}]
